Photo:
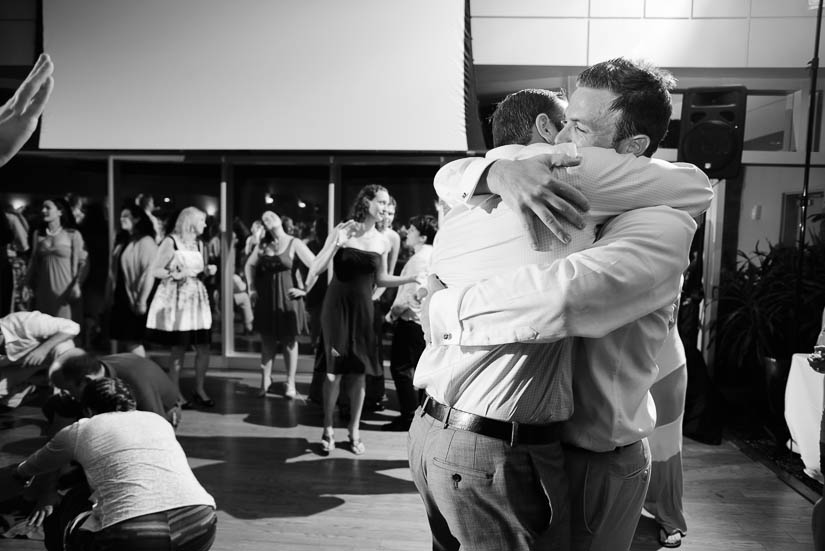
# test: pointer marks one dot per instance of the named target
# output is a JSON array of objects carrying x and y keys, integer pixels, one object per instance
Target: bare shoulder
[{"x": 392, "y": 241}]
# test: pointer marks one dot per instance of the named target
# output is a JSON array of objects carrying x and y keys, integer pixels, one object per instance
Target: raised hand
[
  {"x": 344, "y": 231},
  {"x": 18, "y": 117}
]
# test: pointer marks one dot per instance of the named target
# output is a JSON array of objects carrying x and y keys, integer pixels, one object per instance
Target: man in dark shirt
[
  {"x": 152, "y": 388},
  {"x": 153, "y": 391}
]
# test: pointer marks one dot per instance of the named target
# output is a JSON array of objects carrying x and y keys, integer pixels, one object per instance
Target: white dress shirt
[
  {"x": 25, "y": 331},
  {"x": 418, "y": 264},
  {"x": 476, "y": 367}
]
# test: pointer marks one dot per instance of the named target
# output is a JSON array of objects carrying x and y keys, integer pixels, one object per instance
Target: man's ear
[
  {"x": 545, "y": 128},
  {"x": 637, "y": 145}
]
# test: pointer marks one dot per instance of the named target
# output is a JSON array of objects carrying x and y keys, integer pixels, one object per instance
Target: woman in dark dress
[
  {"x": 130, "y": 278},
  {"x": 360, "y": 262},
  {"x": 278, "y": 317}
]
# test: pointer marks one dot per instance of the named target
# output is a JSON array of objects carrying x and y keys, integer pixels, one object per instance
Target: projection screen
[{"x": 255, "y": 75}]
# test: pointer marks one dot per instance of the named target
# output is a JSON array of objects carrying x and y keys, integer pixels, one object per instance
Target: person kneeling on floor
[{"x": 144, "y": 494}]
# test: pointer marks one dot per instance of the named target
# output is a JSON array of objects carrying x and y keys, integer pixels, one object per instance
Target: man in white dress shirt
[
  {"x": 485, "y": 452},
  {"x": 30, "y": 342},
  {"x": 405, "y": 313}
]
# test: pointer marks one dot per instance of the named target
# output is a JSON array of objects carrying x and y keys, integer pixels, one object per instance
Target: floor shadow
[
  {"x": 257, "y": 478},
  {"x": 236, "y": 395}
]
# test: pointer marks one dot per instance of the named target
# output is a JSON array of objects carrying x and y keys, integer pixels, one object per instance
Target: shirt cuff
[
  {"x": 469, "y": 180},
  {"x": 445, "y": 326}
]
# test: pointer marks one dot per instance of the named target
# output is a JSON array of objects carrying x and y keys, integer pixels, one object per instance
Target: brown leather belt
[{"x": 512, "y": 432}]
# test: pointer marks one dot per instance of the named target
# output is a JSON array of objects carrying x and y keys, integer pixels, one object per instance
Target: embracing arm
[
  {"x": 634, "y": 269},
  {"x": 616, "y": 183}
]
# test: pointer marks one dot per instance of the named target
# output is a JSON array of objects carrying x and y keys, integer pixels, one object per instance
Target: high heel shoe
[
  {"x": 203, "y": 402},
  {"x": 356, "y": 446}
]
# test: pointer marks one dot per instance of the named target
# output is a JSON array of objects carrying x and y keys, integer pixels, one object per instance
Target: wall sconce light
[{"x": 269, "y": 199}]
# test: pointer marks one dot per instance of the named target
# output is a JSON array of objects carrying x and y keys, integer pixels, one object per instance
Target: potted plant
[{"x": 768, "y": 310}]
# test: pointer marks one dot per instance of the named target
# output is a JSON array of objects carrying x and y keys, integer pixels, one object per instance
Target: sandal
[
  {"x": 327, "y": 444},
  {"x": 670, "y": 540},
  {"x": 290, "y": 392},
  {"x": 357, "y": 446}
]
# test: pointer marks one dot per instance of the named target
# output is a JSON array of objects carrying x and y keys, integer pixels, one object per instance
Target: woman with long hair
[
  {"x": 130, "y": 278},
  {"x": 58, "y": 262},
  {"x": 360, "y": 254},
  {"x": 180, "y": 315},
  {"x": 277, "y": 316}
]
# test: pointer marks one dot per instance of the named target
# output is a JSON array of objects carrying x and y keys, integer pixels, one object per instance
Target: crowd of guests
[
  {"x": 157, "y": 291},
  {"x": 546, "y": 353}
]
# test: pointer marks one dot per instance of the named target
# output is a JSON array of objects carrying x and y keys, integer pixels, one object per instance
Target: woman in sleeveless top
[
  {"x": 360, "y": 262},
  {"x": 180, "y": 315},
  {"x": 58, "y": 261},
  {"x": 278, "y": 317},
  {"x": 130, "y": 278}
]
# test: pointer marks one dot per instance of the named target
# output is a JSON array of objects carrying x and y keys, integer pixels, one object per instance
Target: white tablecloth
[{"x": 803, "y": 412}]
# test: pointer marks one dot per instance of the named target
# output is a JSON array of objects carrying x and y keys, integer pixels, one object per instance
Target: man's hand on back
[{"x": 530, "y": 188}]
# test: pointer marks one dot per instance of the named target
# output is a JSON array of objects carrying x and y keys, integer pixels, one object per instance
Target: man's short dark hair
[
  {"x": 427, "y": 225},
  {"x": 106, "y": 395},
  {"x": 77, "y": 368},
  {"x": 643, "y": 100},
  {"x": 514, "y": 117}
]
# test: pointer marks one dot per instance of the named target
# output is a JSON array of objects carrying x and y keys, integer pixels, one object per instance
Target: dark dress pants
[{"x": 407, "y": 346}]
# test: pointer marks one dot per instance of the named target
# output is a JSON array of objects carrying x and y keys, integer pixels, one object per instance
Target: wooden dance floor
[{"x": 259, "y": 459}]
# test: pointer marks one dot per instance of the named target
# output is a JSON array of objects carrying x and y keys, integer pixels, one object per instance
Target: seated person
[
  {"x": 30, "y": 342},
  {"x": 144, "y": 495},
  {"x": 152, "y": 388}
]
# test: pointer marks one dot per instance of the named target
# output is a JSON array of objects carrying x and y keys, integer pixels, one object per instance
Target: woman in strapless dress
[{"x": 358, "y": 253}]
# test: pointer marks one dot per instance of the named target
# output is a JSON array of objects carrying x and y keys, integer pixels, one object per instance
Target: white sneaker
[{"x": 290, "y": 392}]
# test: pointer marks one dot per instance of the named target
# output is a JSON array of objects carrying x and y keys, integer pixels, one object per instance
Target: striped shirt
[{"x": 501, "y": 376}]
